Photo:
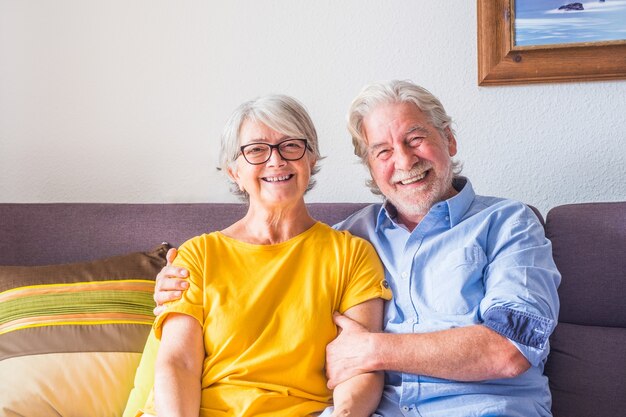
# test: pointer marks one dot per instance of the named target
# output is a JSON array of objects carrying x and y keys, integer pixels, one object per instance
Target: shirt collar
[
  {"x": 386, "y": 215},
  {"x": 456, "y": 206},
  {"x": 460, "y": 203}
]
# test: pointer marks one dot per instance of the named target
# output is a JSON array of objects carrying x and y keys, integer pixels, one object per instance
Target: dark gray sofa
[
  {"x": 587, "y": 363},
  {"x": 587, "y": 366}
]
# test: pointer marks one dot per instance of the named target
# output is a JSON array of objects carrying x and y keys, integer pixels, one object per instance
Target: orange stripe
[
  {"x": 78, "y": 317},
  {"x": 75, "y": 319}
]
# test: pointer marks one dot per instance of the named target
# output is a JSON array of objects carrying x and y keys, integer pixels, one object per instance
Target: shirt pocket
[{"x": 457, "y": 286}]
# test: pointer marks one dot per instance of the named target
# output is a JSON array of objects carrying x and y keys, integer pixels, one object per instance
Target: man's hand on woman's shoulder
[{"x": 170, "y": 283}]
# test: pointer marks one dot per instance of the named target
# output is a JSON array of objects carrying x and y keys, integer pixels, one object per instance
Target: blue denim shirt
[{"x": 471, "y": 260}]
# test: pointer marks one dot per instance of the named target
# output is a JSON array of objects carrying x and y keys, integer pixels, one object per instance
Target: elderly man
[{"x": 473, "y": 280}]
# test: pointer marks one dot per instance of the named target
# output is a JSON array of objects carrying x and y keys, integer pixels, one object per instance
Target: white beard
[{"x": 435, "y": 192}]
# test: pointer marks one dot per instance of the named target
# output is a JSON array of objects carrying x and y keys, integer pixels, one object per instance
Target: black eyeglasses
[{"x": 289, "y": 149}]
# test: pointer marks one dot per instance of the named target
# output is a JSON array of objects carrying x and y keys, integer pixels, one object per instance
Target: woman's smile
[{"x": 278, "y": 178}]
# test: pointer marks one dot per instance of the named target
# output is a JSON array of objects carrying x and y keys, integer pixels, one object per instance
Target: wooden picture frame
[{"x": 500, "y": 62}]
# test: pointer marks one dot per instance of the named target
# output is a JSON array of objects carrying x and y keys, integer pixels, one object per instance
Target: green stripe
[{"x": 105, "y": 301}]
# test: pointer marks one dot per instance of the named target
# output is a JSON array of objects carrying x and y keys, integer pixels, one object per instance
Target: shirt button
[
  {"x": 404, "y": 274},
  {"x": 405, "y": 408}
]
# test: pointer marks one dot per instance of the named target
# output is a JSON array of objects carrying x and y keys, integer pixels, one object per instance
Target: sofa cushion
[
  {"x": 71, "y": 335},
  {"x": 588, "y": 242},
  {"x": 587, "y": 355},
  {"x": 586, "y": 370},
  {"x": 144, "y": 377}
]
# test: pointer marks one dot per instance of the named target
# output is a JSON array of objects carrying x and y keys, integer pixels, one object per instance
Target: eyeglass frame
[{"x": 277, "y": 147}]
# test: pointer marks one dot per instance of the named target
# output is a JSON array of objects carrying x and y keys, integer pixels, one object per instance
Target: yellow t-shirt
[{"x": 266, "y": 314}]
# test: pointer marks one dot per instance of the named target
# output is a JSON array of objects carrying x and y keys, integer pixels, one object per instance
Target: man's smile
[{"x": 414, "y": 178}]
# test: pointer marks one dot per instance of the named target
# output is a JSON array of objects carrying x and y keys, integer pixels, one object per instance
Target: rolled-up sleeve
[{"x": 521, "y": 281}]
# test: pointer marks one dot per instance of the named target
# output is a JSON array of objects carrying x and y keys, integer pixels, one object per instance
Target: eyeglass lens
[{"x": 289, "y": 150}]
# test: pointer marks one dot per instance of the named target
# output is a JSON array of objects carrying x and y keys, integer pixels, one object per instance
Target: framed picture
[{"x": 520, "y": 54}]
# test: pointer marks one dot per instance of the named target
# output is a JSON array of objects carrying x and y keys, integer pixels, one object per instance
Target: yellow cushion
[
  {"x": 144, "y": 378},
  {"x": 49, "y": 384}
]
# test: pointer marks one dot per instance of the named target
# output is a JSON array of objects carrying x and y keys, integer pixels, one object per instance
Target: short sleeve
[
  {"x": 191, "y": 257},
  {"x": 366, "y": 276}
]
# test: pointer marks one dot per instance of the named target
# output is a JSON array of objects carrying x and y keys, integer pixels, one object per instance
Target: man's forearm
[{"x": 471, "y": 353}]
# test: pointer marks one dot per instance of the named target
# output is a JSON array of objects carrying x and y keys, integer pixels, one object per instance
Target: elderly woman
[{"x": 248, "y": 336}]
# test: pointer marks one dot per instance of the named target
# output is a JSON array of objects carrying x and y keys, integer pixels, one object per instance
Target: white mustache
[{"x": 417, "y": 169}]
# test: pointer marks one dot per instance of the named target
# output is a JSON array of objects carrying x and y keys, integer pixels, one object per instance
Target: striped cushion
[{"x": 71, "y": 335}]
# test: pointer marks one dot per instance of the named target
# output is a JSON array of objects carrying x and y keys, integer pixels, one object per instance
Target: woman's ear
[{"x": 234, "y": 176}]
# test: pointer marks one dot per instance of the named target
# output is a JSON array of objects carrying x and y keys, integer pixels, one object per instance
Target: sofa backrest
[
  {"x": 53, "y": 233},
  {"x": 587, "y": 364},
  {"x": 42, "y": 234}
]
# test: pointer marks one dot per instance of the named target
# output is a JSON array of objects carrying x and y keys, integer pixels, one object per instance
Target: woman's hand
[{"x": 170, "y": 283}]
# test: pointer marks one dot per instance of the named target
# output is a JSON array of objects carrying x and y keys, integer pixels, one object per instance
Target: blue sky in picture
[{"x": 540, "y": 22}]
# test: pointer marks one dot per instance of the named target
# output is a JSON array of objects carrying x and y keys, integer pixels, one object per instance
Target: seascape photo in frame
[
  {"x": 540, "y": 50},
  {"x": 558, "y": 22}
]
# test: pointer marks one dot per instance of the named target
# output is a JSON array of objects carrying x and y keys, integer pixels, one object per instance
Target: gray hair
[
  {"x": 392, "y": 92},
  {"x": 282, "y": 113}
]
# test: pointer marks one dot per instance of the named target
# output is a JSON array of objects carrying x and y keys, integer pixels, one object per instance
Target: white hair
[
  {"x": 279, "y": 112},
  {"x": 393, "y": 92}
]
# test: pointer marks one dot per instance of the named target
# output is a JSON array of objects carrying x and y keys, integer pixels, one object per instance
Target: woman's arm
[
  {"x": 178, "y": 367},
  {"x": 360, "y": 395}
]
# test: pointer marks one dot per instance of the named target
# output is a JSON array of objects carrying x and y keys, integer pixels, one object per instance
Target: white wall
[{"x": 124, "y": 101}]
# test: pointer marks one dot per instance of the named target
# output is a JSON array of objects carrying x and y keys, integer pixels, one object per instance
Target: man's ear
[{"x": 451, "y": 141}]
